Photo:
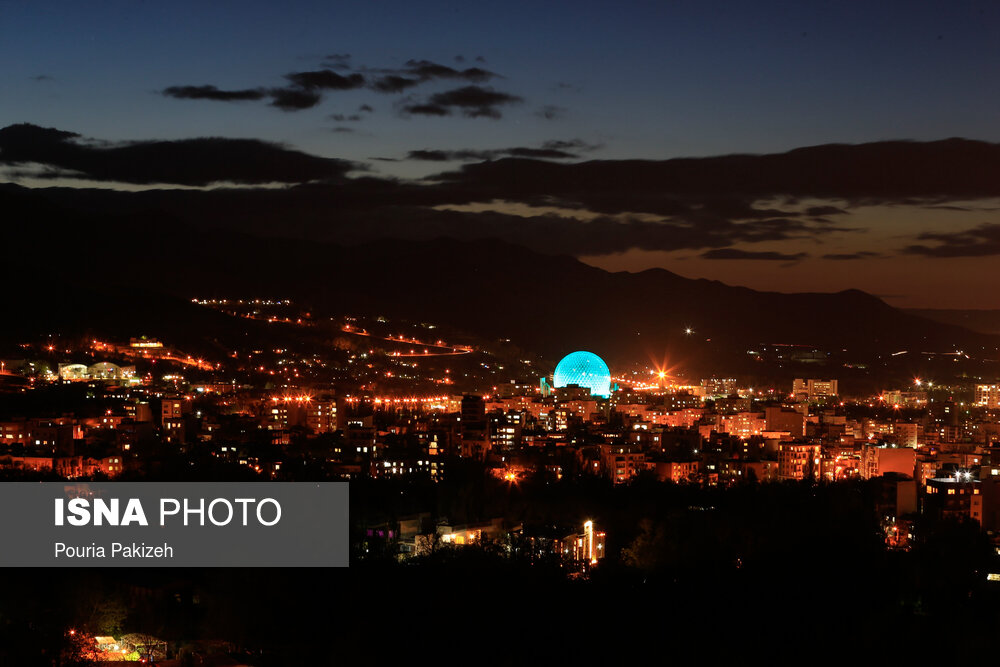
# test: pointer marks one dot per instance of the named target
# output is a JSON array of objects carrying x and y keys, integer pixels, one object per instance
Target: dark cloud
[
  {"x": 540, "y": 153},
  {"x": 976, "y": 242},
  {"x": 852, "y": 255},
  {"x": 325, "y": 79},
  {"x": 426, "y": 110},
  {"x": 403, "y": 210},
  {"x": 467, "y": 155},
  {"x": 817, "y": 211},
  {"x": 710, "y": 205},
  {"x": 473, "y": 101},
  {"x": 546, "y": 233},
  {"x": 550, "y": 150},
  {"x": 42, "y": 78},
  {"x": 731, "y": 208},
  {"x": 570, "y": 145},
  {"x": 338, "y": 60},
  {"x": 474, "y": 96},
  {"x": 476, "y": 75},
  {"x": 294, "y": 99},
  {"x": 427, "y": 70},
  {"x": 551, "y": 112},
  {"x": 213, "y": 93},
  {"x": 735, "y": 253},
  {"x": 444, "y": 156},
  {"x": 304, "y": 93},
  {"x": 393, "y": 83},
  {"x": 367, "y": 209},
  {"x": 366, "y": 108},
  {"x": 883, "y": 172},
  {"x": 15, "y": 140},
  {"x": 307, "y": 88},
  {"x": 482, "y": 112},
  {"x": 342, "y": 118},
  {"x": 184, "y": 162},
  {"x": 342, "y": 129},
  {"x": 417, "y": 72}
]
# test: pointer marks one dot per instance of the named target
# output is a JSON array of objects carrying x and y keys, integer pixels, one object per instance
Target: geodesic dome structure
[{"x": 584, "y": 369}]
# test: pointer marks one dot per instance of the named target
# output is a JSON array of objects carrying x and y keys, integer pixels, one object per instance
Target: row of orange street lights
[
  {"x": 453, "y": 349},
  {"x": 387, "y": 400}
]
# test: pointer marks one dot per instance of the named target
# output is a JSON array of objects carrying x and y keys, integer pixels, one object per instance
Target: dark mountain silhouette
[
  {"x": 982, "y": 320},
  {"x": 66, "y": 264}
]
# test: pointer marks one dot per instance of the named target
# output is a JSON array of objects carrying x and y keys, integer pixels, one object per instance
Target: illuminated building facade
[
  {"x": 676, "y": 471},
  {"x": 957, "y": 496},
  {"x": 586, "y": 548},
  {"x": 622, "y": 463},
  {"x": 906, "y": 399},
  {"x": 906, "y": 434},
  {"x": 321, "y": 415},
  {"x": 987, "y": 396},
  {"x": 172, "y": 411},
  {"x": 681, "y": 401},
  {"x": 784, "y": 419},
  {"x": 744, "y": 424},
  {"x": 798, "y": 460},
  {"x": 878, "y": 461},
  {"x": 812, "y": 389},
  {"x": 718, "y": 386},
  {"x": 505, "y": 430}
]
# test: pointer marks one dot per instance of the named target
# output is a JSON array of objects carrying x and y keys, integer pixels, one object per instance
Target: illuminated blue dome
[{"x": 584, "y": 369}]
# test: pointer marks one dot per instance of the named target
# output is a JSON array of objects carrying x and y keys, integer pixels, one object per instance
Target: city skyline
[{"x": 358, "y": 333}]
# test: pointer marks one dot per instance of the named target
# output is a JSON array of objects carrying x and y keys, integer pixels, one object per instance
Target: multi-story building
[
  {"x": 681, "y": 401},
  {"x": 744, "y": 424},
  {"x": 906, "y": 399},
  {"x": 585, "y": 548},
  {"x": 957, "y": 495},
  {"x": 813, "y": 389},
  {"x": 779, "y": 419},
  {"x": 879, "y": 461},
  {"x": 987, "y": 396},
  {"x": 718, "y": 386},
  {"x": 736, "y": 471},
  {"x": 906, "y": 434},
  {"x": 674, "y": 471},
  {"x": 172, "y": 411},
  {"x": 798, "y": 460},
  {"x": 620, "y": 463},
  {"x": 504, "y": 430},
  {"x": 321, "y": 415}
]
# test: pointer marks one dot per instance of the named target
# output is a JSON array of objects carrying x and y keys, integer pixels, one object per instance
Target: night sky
[{"x": 400, "y": 91}]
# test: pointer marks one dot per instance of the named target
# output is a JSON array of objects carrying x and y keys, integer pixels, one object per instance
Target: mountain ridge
[{"x": 488, "y": 287}]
